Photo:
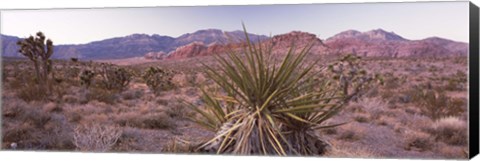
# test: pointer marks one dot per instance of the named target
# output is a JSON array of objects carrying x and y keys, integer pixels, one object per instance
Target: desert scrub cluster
[
  {"x": 95, "y": 137},
  {"x": 261, "y": 107},
  {"x": 86, "y": 78},
  {"x": 113, "y": 77},
  {"x": 436, "y": 104},
  {"x": 158, "y": 79},
  {"x": 351, "y": 77}
]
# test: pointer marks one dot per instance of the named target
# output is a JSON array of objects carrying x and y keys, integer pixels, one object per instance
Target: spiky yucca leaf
[{"x": 265, "y": 107}]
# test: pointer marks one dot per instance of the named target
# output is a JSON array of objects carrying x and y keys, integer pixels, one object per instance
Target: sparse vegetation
[
  {"x": 436, "y": 104},
  {"x": 450, "y": 130},
  {"x": 245, "y": 103},
  {"x": 86, "y": 78},
  {"x": 158, "y": 80},
  {"x": 95, "y": 137},
  {"x": 114, "y": 78}
]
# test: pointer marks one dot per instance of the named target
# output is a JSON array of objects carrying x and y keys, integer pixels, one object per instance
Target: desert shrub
[
  {"x": 73, "y": 117},
  {"x": 392, "y": 82},
  {"x": 146, "y": 121},
  {"x": 453, "y": 85},
  {"x": 452, "y": 152},
  {"x": 155, "y": 121},
  {"x": 52, "y": 107},
  {"x": 158, "y": 79},
  {"x": 26, "y": 86},
  {"x": 389, "y": 95},
  {"x": 375, "y": 107},
  {"x": 114, "y": 78},
  {"x": 350, "y": 135},
  {"x": 162, "y": 101},
  {"x": 101, "y": 95},
  {"x": 436, "y": 104},
  {"x": 32, "y": 128},
  {"x": 450, "y": 130},
  {"x": 351, "y": 152},
  {"x": 191, "y": 79},
  {"x": 86, "y": 77},
  {"x": 330, "y": 131},
  {"x": 32, "y": 92},
  {"x": 418, "y": 141},
  {"x": 361, "y": 118},
  {"x": 132, "y": 94},
  {"x": 177, "y": 145},
  {"x": 460, "y": 76},
  {"x": 95, "y": 137},
  {"x": 71, "y": 71},
  {"x": 178, "y": 110},
  {"x": 351, "y": 76},
  {"x": 267, "y": 108}
]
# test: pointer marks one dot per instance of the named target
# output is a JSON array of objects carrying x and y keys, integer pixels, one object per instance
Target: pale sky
[{"x": 409, "y": 20}]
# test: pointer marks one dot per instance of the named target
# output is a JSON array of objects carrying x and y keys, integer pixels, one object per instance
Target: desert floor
[{"x": 389, "y": 121}]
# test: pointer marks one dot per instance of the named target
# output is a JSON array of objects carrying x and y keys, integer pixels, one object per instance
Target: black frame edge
[{"x": 474, "y": 81}]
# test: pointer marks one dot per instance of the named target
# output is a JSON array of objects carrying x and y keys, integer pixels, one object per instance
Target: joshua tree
[{"x": 39, "y": 51}]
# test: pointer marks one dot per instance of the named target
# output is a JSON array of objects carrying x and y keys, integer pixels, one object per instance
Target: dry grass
[
  {"x": 452, "y": 152},
  {"x": 418, "y": 141},
  {"x": 96, "y": 138},
  {"x": 147, "y": 121},
  {"x": 31, "y": 127},
  {"x": 450, "y": 130},
  {"x": 350, "y": 152},
  {"x": 386, "y": 115},
  {"x": 351, "y": 133}
]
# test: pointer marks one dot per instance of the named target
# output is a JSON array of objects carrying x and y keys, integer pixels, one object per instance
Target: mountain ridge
[{"x": 377, "y": 42}]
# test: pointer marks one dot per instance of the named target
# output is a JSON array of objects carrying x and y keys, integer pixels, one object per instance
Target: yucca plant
[{"x": 264, "y": 107}]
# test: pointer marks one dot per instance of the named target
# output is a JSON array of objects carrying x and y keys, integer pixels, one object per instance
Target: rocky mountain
[
  {"x": 373, "y": 35},
  {"x": 388, "y": 44},
  {"x": 135, "y": 45},
  {"x": 281, "y": 43},
  {"x": 9, "y": 46},
  {"x": 378, "y": 43},
  {"x": 210, "y": 36},
  {"x": 121, "y": 47},
  {"x": 299, "y": 40}
]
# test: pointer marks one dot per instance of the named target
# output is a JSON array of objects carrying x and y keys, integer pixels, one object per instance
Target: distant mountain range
[
  {"x": 133, "y": 45},
  {"x": 205, "y": 42},
  {"x": 382, "y": 43}
]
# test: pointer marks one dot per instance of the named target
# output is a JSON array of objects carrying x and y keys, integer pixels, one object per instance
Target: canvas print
[{"x": 365, "y": 80}]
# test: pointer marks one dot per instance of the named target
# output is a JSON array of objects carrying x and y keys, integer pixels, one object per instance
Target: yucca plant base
[{"x": 302, "y": 142}]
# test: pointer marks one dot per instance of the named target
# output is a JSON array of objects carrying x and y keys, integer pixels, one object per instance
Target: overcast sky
[{"x": 410, "y": 20}]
